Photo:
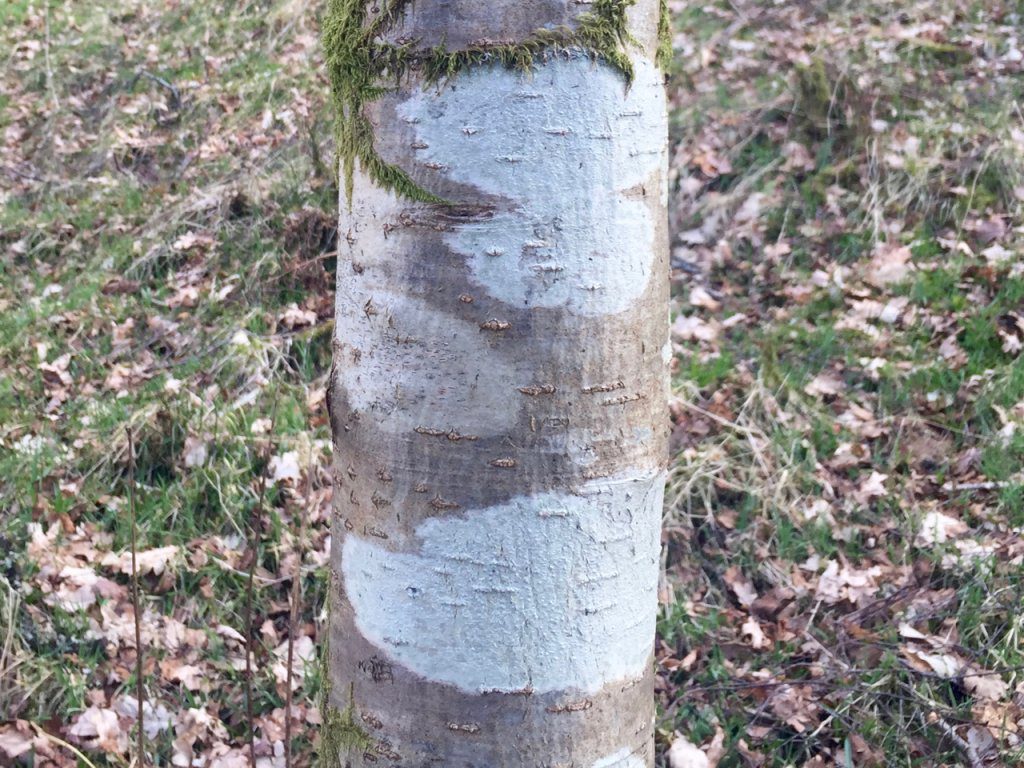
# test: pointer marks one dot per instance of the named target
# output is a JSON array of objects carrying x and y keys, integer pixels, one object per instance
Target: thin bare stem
[
  {"x": 255, "y": 523},
  {"x": 139, "y": 688},
  {"x": 296, "y": 600}
]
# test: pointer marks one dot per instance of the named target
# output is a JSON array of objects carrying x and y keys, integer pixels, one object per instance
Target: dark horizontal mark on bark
[
  {"x": 598, "y": 388},
  {"x": 451, "y": 434},
  {"x": 623, "y": 399},
  {"x": 464, "y": 727},
  {"x": 573, "y": 706},
  {"x": 546, "y": 389},
  {"x": 441, "y": 504},
  {"x": 495, "y": 325},
  {"x": 527, "y": 691},
  {"x": 448, "y": 215}
]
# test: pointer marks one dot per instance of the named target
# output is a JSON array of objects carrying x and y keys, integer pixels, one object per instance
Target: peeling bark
[{"x": 498, "y": 406}]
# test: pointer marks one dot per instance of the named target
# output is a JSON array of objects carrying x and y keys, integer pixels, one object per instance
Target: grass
[
  {"x": 843, "y": 156},
  {"x": 166, "y": 215},
  {"x": 222, "y": 139}
]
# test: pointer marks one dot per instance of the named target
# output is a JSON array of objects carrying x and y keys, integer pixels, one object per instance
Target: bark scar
[
  {"x": 572, "y": 706},
  {"x": 597, "y": 388},
  {"x": 464, "y": 727},
  {"x": 495, "y": 325},
  {"x": 544, "y": 389}
]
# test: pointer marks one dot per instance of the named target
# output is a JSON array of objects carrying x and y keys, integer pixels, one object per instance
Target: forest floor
[{"x": 844, "y": 560}]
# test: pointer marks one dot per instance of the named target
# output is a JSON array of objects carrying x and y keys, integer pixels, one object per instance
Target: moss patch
[
  {"x": 601, "y": 33},
  {"x": 357, "y": 66},
  {"x": 665, "y": 52},
  {"x": 340, "y": 733},
  {"x": 362, "y": 67}
]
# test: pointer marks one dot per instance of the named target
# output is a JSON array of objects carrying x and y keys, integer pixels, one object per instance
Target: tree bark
[{"x": 498, "y": 397}]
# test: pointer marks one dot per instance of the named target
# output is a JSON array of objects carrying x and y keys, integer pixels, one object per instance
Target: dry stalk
[
  {"x": 139, "y": 687},
  {"x": 296, "y": 599},
  {"x": 255, "y": 523}
]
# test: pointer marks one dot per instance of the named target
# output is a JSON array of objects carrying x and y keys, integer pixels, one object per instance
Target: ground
[{"x": 843, "y": 550}]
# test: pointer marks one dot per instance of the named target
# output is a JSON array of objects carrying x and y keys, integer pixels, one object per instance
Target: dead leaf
[
  {"x": 192, "y": 240},
  {"x": 740, "y": 585},
  {"x": 119, "y": 285},
  {"x": 753, "y": 630},
  {"x": 230, "y": 633},
  {"x": 944, "y": 665},
  {"x": 285, "y": 467},
  {"x": 826, "y": 383},
  {"x": 699, "y": 297},
  {"x": 100, "y": 729},
  {"x": 985, "y": 685},
  {"x": 838, "y": 584},
  {"x": 683, "y": 754},
  {"x": 154, "y": 561},
  {"x": 769, "y": 605},
  {"x": 189, "y": 675},
  {"x": 952, "y": 352},
  {"x": 694, "y": 328},
  {"x": 938, "y": 528},
  {"x": 871, "y": 487},
  {"x": 185, "y": 296},
  {"x": 890, "y": 264},
  {"x": 794, "y": 705},
  {"x": 304, "y": 657},
  {"x": 15, "y": 740},
  {"x": 716, "y": 749},
  {"x": 195, "y": 451},
  {"x": 750, "y": 210},
  {"x": 156, "y": 718},
  {"x": 997, "y": 255},
  {"x": 293, "y": 317},
  {"x": 850, "y": 455}
]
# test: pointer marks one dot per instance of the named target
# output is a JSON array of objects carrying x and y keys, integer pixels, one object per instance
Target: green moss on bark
[
  {"x": 665, "y": 52},
  {"x": 362, "y": 67},
  {"x": 340, "y": 734},
  {"x": 357, "y": 66}
]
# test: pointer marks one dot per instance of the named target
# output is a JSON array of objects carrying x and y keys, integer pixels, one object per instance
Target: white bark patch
[
  {"x": 552, "y": 591},
  {"x": 409, "y": 365},
  {"x": 575, "y": 154},
  {"x": 624, "y": 758}
]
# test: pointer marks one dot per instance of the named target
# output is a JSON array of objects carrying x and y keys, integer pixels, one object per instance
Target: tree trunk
[{"x": 498, "y": 398}]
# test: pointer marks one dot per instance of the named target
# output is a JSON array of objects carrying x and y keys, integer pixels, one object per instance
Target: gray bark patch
[
  {"x": 449, "y": 382},
  {"x": 565, "y": 147},
  {"x": 547, "y": 592}
]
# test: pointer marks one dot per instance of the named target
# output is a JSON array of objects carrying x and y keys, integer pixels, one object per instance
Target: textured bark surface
[
  {"x": 498, "y": 405},
  {"x": 458, "y": 24}
]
